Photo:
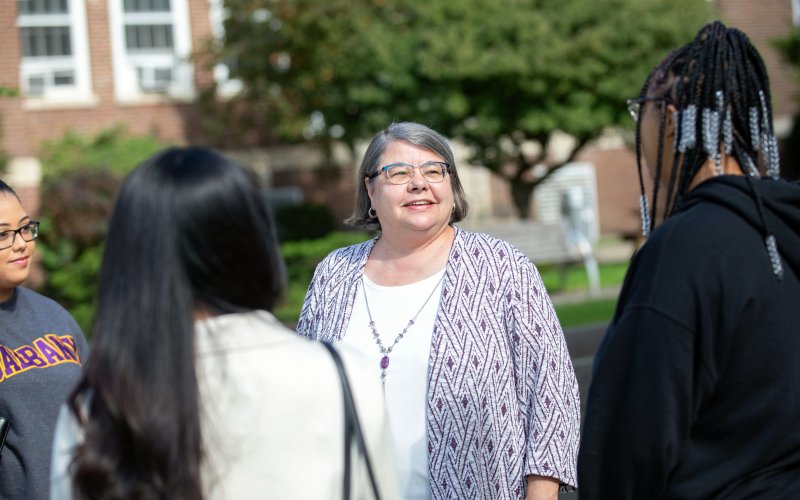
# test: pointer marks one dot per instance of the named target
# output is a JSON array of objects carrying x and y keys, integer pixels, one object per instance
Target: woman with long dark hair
[{"x": 194, "y": 389}]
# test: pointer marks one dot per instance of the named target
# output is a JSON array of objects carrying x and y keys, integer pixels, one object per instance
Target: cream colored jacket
[{"x": 272, "y": 415}]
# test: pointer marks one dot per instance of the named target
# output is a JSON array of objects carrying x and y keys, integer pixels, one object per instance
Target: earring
[{"x": 372, "y": 213}]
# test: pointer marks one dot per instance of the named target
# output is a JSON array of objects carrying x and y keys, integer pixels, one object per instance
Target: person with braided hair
[{"x": 695, "y": 384}]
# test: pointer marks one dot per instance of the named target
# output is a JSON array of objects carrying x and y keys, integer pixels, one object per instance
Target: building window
[
  {"x": 149, "y": 38},
  {"x": 796, "y": 12},
  {"x": 46, "y": 41},
  {"x": 151, "y": 44},
  {"x": 55, "y": 59},
  {"x": 43, "y": 6},
  {"x": 147, "y": 6}
]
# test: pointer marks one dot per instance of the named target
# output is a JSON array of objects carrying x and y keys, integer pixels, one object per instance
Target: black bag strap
[
  {"x": 5, "y": 425},
  {"x": 352, "y": 428}
]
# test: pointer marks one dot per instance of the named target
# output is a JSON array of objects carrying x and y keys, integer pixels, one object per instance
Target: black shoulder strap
[
  {"x": 352, "y": 428},
  {"x": 5, "y": 425}
]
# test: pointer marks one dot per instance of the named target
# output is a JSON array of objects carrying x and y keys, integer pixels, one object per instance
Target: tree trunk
[{"x": 521, "y": 193}]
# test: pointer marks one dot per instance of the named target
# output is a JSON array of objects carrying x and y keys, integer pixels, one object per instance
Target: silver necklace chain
[{"x": 385, "y": 351}]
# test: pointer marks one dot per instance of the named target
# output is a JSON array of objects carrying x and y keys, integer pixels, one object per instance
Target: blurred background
[{"x": 531, "y": 93}]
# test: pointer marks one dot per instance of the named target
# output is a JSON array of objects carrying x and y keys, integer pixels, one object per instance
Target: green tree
[
  {"x": 81, "y": 178},
  {"x": 113, "y": 149},
  {"x": 504, "y": 76}
]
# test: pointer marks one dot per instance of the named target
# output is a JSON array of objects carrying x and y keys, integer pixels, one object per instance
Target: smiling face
[
  {"x": 15, "y": 261},
  {"x": 419, "y": 206}
]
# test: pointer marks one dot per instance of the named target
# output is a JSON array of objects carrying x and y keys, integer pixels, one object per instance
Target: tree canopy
[{"x": 501, "y": 75}]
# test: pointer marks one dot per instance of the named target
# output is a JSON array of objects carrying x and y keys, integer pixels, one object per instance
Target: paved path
[{"x": 582, "y": 343}]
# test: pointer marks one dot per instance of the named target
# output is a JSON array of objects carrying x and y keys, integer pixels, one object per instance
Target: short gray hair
[{"x": 417, "y": 135}]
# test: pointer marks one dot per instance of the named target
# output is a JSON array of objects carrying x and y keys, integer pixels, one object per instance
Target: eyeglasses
[
  {"x": 402, "y": 173},
  {"x": 28, "y": 232},
  {"x": 635, "y": 105}
]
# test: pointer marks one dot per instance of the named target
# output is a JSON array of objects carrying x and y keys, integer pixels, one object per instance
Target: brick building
[{"x": 88, "y": 65}]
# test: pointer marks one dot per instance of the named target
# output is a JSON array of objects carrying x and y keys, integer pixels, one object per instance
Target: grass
[
  {"x": 611, "y": 275},
  {"x": 586, "y": 313}
]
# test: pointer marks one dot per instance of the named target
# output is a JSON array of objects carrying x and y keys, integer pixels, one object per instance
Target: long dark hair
[
  {"x": 5, "y": 188},
  {"x": 190, "y": 231},
  {"x": 719, "y": 86}
]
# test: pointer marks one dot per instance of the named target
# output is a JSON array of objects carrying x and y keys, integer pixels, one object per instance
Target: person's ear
[{"x": 368, "y": 185}]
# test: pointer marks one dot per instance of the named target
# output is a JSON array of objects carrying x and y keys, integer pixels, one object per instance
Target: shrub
[
  {"x": 75, "y": 214},
  {"x": 113, "y": 149},
  {"x": 301, "y": 259},
  {"x": 81, "y": 178},
  {"x": 303, "y": 222}
]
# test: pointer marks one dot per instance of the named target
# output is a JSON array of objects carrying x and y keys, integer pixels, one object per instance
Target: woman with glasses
[
  {"x": 695, "y": 386},
  {"x": 480, "y": 390},
  {"x": 194, "y": 390},
  {"x": 41, "y": 351}
]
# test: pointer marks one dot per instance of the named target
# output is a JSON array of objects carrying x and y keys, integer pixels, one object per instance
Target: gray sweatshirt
[{"x": 41, "y": 352}]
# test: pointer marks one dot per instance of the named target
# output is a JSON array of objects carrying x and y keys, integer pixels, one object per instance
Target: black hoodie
[{"x": 696, "y": 384}]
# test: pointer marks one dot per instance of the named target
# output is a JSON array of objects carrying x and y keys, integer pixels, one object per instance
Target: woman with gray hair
[{"x": 479, "y": 387}]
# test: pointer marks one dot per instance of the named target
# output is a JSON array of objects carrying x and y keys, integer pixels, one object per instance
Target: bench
[{"x": 547, "y": 243}]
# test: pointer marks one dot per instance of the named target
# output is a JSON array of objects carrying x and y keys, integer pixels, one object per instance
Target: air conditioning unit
[{"x": 154, "y": 79}]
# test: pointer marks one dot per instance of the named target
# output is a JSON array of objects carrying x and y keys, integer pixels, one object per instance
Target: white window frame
[
  {"x": 80, "y": 91},
  {"x": 796, "y": 12},
  {"x": 226, "y": 86},
  {"x": 126, "y": 77}
]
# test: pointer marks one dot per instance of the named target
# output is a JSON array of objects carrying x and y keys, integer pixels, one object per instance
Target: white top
[
  {"x": 406, "y": 377},
  {"x": 273, "y": 420}
]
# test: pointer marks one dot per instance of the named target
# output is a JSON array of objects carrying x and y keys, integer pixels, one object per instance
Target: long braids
[{"x": 719, "y": 87}]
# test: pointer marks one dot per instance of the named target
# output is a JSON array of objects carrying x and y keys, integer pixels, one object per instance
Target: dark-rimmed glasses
[
  {"x": 402, "y": 173},
  {"x": 28, "y": 232},
  {"x": 635, "y": 105}
]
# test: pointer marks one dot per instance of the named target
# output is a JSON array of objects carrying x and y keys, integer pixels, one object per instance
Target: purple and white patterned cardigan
[{"x": 503, "y": 400}]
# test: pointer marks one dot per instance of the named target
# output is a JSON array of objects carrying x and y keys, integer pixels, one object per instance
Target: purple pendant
[{"x": 384, "y": 362}]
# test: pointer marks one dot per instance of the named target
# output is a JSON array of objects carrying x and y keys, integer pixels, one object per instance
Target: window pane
[
  {"x": 147, "y": 5},
  {"x": 149, "y": 37},
  {"x": 43, "y": 6},
  {"x": 163, "y": 76},
  {"x": 63, "y": 78},
  {"x": 43, "y": 41}
]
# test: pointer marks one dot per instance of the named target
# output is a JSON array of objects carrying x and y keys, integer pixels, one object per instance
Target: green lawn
[
  {"x": 611, "y": 274},
  {"x": 588, "y": 311}
]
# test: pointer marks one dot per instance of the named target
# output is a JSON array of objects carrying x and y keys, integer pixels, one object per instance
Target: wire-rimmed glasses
[
  {"x": 28, "y": 232},
  {"x": 635, "y": 105},
  {"x": 402, "y": 173}
]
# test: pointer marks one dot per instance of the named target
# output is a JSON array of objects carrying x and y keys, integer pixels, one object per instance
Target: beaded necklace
[{"x": 385, "y": 351}]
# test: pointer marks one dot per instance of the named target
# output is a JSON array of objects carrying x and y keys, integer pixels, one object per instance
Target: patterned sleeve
[
  {"x": 549, "y": 393},
  {"x": 307, "y": 322}
]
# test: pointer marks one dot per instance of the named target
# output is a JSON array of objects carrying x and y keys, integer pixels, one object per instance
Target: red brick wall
[
  {"x": 9, "y": 66},
  {"x": 764, "y": 21},
  {"x": 25, "y": 129},
  {"x": 617, "y": 189}
]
